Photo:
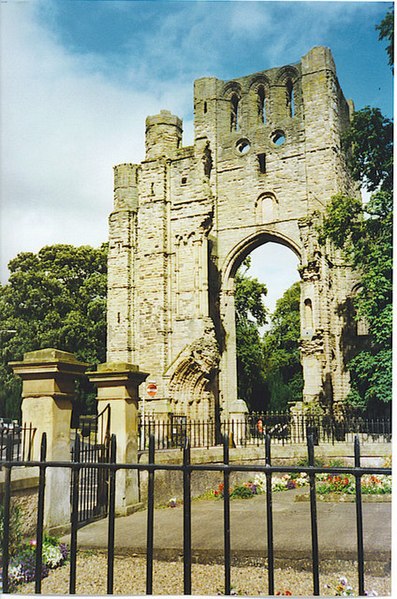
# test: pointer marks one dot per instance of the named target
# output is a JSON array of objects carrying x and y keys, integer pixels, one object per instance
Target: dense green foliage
[
  {"x": 282, "y": 367},
  {"x": 364, "y": 233},
  {"x": 369, "y": 142},
  {"x": 55, "y": 298},
  {"x": 251, "y": 314},
  {"x": 268, "y": 365}
]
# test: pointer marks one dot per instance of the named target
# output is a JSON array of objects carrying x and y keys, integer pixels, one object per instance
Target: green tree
[
  {"x": 364, "y": 233},
  {"x": 282, "y": 367},
  {"x": 251, "y": 314},
  {"x": 55, "y": 298},
  {"x": 386, "y": 32}
]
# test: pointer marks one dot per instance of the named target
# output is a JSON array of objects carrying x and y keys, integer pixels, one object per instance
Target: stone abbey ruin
[{"x": 266, "y": 160}]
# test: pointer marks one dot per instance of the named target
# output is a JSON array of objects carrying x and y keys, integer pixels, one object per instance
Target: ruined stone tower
[{"x": 265, "y": 162}]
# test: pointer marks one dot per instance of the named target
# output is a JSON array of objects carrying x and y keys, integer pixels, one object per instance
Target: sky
[{"x": 79, "y": 78}]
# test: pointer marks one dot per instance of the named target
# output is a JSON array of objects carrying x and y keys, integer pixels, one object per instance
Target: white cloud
[
  {"x": 276, "y": 266},
  {"x": 63, "y": 127},
  {"x": 251, "y": 19}
]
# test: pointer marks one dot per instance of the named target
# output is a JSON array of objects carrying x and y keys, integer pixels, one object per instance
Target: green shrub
[{"x": 241, "y": 492}]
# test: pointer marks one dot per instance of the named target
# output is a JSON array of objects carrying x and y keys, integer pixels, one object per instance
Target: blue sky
[{"x": 79, "y": 78}]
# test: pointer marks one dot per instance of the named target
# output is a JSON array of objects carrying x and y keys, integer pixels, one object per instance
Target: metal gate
[
  {"x": 178, "y": 430},
  {"x": 91, "y": 446}
]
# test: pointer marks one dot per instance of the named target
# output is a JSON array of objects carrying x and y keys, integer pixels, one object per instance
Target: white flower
[
  {"x": 52, "y": 556},
  {"x": 343, "y": 580},
  {"x": 15, "y": 573}
]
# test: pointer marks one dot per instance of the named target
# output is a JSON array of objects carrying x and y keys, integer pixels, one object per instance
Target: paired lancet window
[{"x": 259, "y": 100}]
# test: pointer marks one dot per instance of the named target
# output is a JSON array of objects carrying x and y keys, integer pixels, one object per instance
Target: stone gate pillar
[
  {"x": 238, "y": 411},
  {"x": 48, "y": 388},
  {"x": 117, "y": 384}
]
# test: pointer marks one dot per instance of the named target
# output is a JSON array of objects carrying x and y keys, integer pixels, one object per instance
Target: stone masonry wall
[{"x": 266, "y": 160}]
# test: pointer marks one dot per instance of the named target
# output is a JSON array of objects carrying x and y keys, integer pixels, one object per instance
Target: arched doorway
[
  {"x": 284, "y": 249},
  {"x": 269, "y": 371}
]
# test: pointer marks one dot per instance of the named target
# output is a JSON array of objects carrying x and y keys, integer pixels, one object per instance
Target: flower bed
[
  {"x": 370, "y": 484},
  {"x": 331, "y": 485},
  {"x": 22, "y": 566}
]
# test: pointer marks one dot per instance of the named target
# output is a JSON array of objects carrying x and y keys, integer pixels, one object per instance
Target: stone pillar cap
[
  {"x": 50, "y": 354},
  {"x": 49, "y": 360},
  {"x": 238, "y": 406},
  {"x": 116, "y": 372}
]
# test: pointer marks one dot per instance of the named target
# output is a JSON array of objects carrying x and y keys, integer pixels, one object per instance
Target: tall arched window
[
  {"x": 290, "y": 97},
  {"x": 261, "y": 98},
  {"x": 234, "y": 101}
]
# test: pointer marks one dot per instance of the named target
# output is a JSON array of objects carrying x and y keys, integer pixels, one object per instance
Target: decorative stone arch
[
  {"x": 257, "y": 81},
  {"x": 260, "y": 99},
  {"x": 192, "y": 377},
  {"x": 362, "y": 324},
  {"x": 230, "y": 88},
  {"x": 228, "y": 384},
  {"x": 266, "y": 208},
  {"x": 233, "y": 93},
  {"x": 288, "y": 82},
  {"x": 287, "y": 72},
  {"x": 245, "y": 246}
]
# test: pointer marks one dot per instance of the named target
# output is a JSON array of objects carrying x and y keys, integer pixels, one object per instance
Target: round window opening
[
  {"x": 243, "y": 146},
  {"x": 278, "y": 138}
]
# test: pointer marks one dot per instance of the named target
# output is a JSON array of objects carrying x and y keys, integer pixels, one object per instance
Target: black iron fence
[
  {"x": 20, "y": 438},
  {"x": 91, "y": 445},
  {"x": 174, "y": 432},
  {"x": 252, "y": 429},
  {"x": 186, "y": 469}
]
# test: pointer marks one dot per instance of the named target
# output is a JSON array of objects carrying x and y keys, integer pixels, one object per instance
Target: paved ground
[{"x": 292, "y": 537}]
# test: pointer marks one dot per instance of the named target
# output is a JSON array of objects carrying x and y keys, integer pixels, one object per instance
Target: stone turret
[{"x": 163, "y": 134}]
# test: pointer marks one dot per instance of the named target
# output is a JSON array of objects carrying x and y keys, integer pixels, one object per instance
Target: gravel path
[{"x": 130, "y": 576}]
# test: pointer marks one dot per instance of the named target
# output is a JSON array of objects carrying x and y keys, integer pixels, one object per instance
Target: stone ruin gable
[{"x": 266, "y": 156}]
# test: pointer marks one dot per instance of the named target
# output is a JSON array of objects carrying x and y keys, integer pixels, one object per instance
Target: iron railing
[
  {"x": 186, "y": 468},
  {"x": 90, "y": 445},
  {"x": 249, "y": 430},
  {"x": 173, "y": 433},
  {"x": 21, "y": 439}
]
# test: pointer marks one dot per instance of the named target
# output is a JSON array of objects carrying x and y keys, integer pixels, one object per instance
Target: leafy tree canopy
[
  {"x": 369, "y": 142},
  {"x": 386, "y": 32},
  {"x": 248, "y": 296},
  {"x": 251, "y": 314},
  {"x": 364, "y": 233},
  {"x": 282, "y": 367},
  {"x": 55, "y": 298}
]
